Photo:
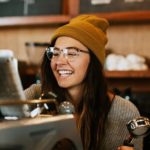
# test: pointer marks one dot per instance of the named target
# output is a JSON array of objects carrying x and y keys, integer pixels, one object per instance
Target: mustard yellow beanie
[{"x": 89, "y": 30}]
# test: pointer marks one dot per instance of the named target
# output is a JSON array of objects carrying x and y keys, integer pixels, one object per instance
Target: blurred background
[{"x": 26, "y": 27}]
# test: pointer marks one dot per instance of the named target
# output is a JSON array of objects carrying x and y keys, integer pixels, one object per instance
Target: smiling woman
[
  {"x": 72, "y": 68},
  {"x": 67, "y": 69}
]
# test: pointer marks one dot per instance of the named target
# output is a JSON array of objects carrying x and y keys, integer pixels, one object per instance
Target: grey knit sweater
[{"x": 120, "y": 113}]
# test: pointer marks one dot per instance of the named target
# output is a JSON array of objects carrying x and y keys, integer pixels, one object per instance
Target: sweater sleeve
[
  {"x": 33, "y": 92},
  {"x": 122, "y": 111}
]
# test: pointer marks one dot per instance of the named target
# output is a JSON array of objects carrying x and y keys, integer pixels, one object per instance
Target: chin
[
  {"x": 66, "y": 84},
  {"x": 62, "y": 85}
]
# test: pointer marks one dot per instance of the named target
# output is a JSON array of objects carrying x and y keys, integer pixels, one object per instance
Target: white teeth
[{"x": 65, "y": 72}]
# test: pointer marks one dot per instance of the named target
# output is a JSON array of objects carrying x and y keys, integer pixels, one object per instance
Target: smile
[{"x": 65, "y": 73}]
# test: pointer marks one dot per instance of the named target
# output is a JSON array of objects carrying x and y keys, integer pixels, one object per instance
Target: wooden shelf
[
  {"x": 67, "y": 13},
  {"x": 128, "y": 74},
  {"x": 129, "y": 16},
  {"x": 138, "y": 81},
  {"x": 32, "y": 70},
  {"x": 122, "y": 17},
  {"x": 33, "y": 20}
]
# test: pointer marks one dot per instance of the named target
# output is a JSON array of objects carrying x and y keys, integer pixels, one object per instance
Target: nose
[{"x": 61, "y": 59}]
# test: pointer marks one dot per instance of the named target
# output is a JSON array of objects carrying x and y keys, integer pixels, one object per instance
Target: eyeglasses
[{"x": 70, "y": 53}]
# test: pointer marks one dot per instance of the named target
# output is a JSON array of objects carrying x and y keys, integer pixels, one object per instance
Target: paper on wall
[{"x": 98, "y": 2}]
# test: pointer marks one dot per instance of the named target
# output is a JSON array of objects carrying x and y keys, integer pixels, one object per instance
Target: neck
[{"x": 75, "y": 94}]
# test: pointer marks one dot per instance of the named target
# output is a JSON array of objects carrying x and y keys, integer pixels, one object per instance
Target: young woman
[{"x": 72, "y": 68}]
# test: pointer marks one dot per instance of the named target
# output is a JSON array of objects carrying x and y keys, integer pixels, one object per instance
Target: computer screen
[{"x": 11, "y": 87}]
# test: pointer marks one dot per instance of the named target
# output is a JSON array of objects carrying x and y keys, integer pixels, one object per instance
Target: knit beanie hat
[{"x": 89, "y": 30}]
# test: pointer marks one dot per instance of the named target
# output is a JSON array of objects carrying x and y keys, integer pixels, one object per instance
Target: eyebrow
[{"x": 74, "y": 47}]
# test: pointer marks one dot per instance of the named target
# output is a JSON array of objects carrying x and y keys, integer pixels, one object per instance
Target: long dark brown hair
[{"x": 92, "y": 109}]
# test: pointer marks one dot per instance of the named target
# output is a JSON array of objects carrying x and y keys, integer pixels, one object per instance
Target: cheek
[
  {"x": 52, "y": 65},
  {"x": 82, "y": 68}
]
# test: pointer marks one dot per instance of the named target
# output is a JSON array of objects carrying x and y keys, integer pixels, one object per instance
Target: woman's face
[{"x": 70, "y": 73}]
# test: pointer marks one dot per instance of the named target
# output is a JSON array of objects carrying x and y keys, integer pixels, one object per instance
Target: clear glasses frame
[{"x": 70, "y": 53}]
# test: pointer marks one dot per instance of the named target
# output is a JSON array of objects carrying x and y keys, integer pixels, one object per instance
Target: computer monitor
[
  {"x": 11, "y": 88},
  {"x": 40, "y": 133}
]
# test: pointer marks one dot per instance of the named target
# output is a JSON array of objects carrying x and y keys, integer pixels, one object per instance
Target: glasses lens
[
  {"x": 72, "y": 53},
  {"x": 56, "y": 51},
  {"x": 49, "y": 52}
]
